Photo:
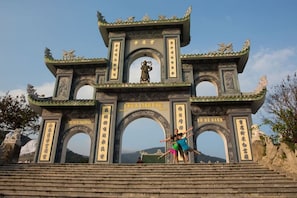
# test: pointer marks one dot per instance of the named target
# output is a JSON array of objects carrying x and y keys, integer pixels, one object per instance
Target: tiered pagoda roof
[{"x": 256, "y": 98}]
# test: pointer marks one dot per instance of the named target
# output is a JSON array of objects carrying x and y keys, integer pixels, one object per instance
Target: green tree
[
  {"x": 15, "y": 113},
  {"x": 281, "y": 106}
]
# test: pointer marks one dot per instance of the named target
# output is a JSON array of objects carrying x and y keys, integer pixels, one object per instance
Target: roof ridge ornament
[
  {"x": 131, "y": 19},
  {"x": 225, "y": 48},
  {"x": 100, "y": 17},
  {"x": 146, "y": 17},
  {"x": 48, "y": 54},
  {"x": 68, "y": 55},
  {"x": 262, "y": 84},
  {"x": 246, "y": 45},
  {"x": 32, "y": 92},
  {"x": 162, "y": 17},
  {"x": 188, "y": 12}
]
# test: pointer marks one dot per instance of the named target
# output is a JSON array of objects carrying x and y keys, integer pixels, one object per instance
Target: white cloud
[
  {"x": 267, "y": 60},
  {"x": 45, "y": 89},
  {"x": 274, "y": 64}
]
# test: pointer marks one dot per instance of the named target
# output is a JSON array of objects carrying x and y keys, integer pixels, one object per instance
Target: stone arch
[
  {"x": 71, "y": 132},
  {"x": 209, "y": 78},
  {"x": 79, "y": 84},
  {"x": 221, "y": 131},
  {"x": 141, "y": 53},
  {"x": 131, "y": 117}
]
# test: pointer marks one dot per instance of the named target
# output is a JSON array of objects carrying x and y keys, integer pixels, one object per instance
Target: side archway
[
  {"x": 206, "y": 88},
  {"x": 221, "y": 131},
  {"x": 84, "y": 86},
  {"x": 71, "y": 132},
  {"x": 208, "y": 78},
  {"x": 127, "y": 120}
]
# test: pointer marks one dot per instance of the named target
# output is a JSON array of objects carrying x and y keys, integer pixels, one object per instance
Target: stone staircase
[{"x": 144, "y": 180}]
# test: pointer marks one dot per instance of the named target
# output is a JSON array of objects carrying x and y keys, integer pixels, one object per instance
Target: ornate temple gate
[{"x": 172, "y": 102}]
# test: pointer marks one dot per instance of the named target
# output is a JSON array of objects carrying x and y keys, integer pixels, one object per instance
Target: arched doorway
[
  {"x": 79, "y": 139},
  {"x": 85, "y": 92},
  {"x": 135, "y": 70},
  {"x": 148, "y": 114},
  {"x": 212, "y": 139},
  {"x": 78, "y": 148},
  {"x": 206, "y": 88},
  {"x": 211, "y": 144},
  {"x": 142, "y": 134}
]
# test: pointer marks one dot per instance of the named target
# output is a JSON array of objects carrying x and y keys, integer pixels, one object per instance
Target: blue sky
[{"x": 27, "y": 27}]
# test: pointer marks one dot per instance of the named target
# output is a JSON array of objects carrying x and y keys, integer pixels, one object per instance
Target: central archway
[{"x": 131, "y": 117}]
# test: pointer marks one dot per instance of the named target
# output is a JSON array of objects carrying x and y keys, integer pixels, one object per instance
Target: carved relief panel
[
  {"x": 63, "y": 88},
  {"x": 229, "y": 78}
]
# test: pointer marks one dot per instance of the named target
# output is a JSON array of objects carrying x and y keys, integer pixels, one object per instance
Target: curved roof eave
[
  {"x": 241, "y": 57},
  {"x": 255, "y": 99},
  {"x": 182, "y": 23},
  {"x": 38, "y": 103},
  {"x": 52, "y": 64}
]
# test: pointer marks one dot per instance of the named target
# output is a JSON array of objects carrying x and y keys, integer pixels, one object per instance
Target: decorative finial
[
  {"x": 119, "y": 20},
  {"x": 246, "y": 45},
  {"x": 31, "y": 91},
  {"x": 146, "y": 18},
  {"x": 130, "y": 19},
  {"x": 68, "y": 55},
  {"x": 225, "y": 47},
  {"x": 188, "y": 12},
  {"x": 162, "y": 17},
  {"x": 262, "y": 84},
  {"x": 48, "y": 54},
  {"x": 101, "y": 17}
]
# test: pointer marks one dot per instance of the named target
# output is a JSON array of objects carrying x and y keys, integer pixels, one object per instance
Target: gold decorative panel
[
  {"x": 243, "y": 138},
  {"x": 180, "y": 117},
  {"x": 172, "y": 58},
  {"x": 104, "y": 133},
  {"x": 115, "y": 60},
  {"x": 209, "y": 119},
  {"x": 180, "y": 120},
  {"x": 161, "y": 106},
  {"x": 47, "y": 141}
]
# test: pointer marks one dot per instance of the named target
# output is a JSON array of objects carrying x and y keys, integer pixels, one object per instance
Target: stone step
[
  {"x": 130, "y": 170},
  {"x": 166, "y": 177},
  {"x": 149, "y": 184},
  {"x": 145, "y": 180},
  {"x": 147, "y": 192}
]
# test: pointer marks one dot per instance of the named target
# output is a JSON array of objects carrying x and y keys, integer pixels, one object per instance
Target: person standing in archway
[
  {"x": 182, "y": 142},
  {"x": 173, "y": 138},
  {"x": 173, "y": 150}
]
